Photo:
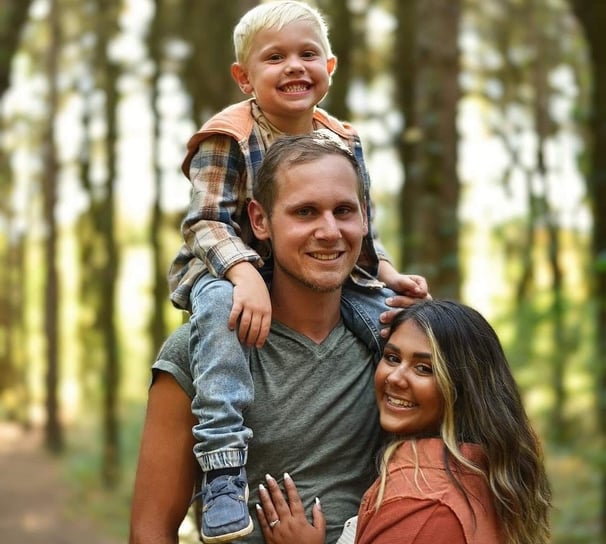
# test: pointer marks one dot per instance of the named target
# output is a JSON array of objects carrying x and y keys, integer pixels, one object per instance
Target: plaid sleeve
[{"x": 212, "y": 227}]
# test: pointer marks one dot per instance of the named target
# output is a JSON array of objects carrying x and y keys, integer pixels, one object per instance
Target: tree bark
[
  {"x": 592, "y": 16},
  {"x": 207, "y": 72},
  {"x": 54, "y": 434},
  {"x": 108, "y": 271},
  {"x": 340, "y": 20},
  {"x": 427, "y": 93},
  {"x": 14, "y": 16}
]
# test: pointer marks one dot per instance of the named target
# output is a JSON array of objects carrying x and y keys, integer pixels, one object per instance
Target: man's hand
[{"x": 251, "y": 304}]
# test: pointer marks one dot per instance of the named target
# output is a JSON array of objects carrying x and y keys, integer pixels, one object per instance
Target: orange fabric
[
  {"x": 431, "y": 510},
  {"x": 236, "y": 121}
]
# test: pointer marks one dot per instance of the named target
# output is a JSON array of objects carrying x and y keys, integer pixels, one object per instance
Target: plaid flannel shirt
[{"x": 222, "y": 159}]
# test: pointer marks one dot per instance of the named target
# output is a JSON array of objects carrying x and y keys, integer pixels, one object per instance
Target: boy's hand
[
  {"x": 251, "y": 304},
  {"x": 409, "y": 288},
  {"x": 409, "y": 285}
]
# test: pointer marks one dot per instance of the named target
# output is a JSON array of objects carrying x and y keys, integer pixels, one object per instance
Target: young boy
[{"x": 284, "y": 60}]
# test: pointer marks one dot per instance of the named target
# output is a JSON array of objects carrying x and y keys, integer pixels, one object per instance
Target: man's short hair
[{"x": 292, "y": 150}]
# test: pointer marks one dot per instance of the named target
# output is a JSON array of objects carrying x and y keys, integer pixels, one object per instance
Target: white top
[{"x": 348, "y": 536}]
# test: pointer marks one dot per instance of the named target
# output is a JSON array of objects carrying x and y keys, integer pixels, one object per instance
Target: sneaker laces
[{"x": 219, "y": 487}]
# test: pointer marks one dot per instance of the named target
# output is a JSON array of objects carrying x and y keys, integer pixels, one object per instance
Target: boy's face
[
  {"x": 288, "y": 73},
  {"x": 317, "y": 224}
]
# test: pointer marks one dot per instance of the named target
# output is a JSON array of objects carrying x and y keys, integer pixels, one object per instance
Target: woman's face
[{"x": 405, "y": 386}]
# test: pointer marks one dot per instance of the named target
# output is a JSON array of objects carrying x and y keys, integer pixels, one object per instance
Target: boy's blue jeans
[{"x": 221, "y": 372}]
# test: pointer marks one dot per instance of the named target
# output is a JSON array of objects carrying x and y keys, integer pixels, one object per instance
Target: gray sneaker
[{"x": 224, "y": 509}]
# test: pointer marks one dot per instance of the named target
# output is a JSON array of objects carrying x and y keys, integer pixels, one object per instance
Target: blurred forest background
[{"x": 482, "y": 121}]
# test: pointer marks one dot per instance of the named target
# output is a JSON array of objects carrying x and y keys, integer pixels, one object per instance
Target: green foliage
[
  {"x": 574, "y": 455},
  {"x": 600, "y": 263}
]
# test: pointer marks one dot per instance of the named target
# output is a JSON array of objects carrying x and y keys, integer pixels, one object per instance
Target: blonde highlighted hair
[{"x": 482, "y": 405}]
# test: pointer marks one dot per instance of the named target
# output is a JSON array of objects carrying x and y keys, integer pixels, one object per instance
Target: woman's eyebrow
[{"x": 416, "y": 354}]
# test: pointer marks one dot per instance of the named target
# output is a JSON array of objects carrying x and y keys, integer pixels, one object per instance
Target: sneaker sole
[{"x": 229, "y": 536}]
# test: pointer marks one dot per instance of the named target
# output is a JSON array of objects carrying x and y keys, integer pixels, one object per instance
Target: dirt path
[{"x": 33, "y": 500}]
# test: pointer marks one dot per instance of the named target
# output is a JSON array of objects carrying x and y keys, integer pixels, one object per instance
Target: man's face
[{"x": 317, "y": 224}]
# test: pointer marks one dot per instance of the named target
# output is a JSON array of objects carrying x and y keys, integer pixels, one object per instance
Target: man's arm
[{"x": 167, "y": 468}]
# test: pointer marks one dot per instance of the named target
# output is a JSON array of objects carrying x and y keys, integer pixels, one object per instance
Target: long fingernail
[
  {"x": 261, "y": 487},
  {"x": 286, "y": 475},
  {"x": 318, "y": 503},
  {"x": 258, "y": 507},
  {"x": 269, "y": 477}
]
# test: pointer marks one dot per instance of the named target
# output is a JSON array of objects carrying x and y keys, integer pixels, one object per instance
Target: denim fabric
[
  {"x": 222, "y": 380},
  {"x": 361, "y": 308}
]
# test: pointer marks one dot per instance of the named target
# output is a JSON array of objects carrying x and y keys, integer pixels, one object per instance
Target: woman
[{"x": 465, "y": 465}]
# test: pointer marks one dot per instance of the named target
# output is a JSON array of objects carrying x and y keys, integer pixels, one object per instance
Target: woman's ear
[
  {"x": 238, "y": 73},
  {"x": 259, "y": 221}
]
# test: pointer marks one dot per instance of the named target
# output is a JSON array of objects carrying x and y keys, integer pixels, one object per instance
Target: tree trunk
[
  {"x": 162, "y": 29},
  {"x": 207, "y": 72},
  {"x": 543, "y": 127},
  {"x": 54, "y": 434},
  {"x": 108, "y": 273},
  {"x": 340, "y": 20},
  {"x": 426, "y": 72},
  {"x": 12, "y": 21},
  {"x": 592, "y": 16}
]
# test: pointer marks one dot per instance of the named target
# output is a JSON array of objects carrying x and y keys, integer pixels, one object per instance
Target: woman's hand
[{"x": 285, "y": 522}]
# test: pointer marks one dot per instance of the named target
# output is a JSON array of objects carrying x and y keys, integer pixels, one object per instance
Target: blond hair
[{"x": 276, "y": 15}]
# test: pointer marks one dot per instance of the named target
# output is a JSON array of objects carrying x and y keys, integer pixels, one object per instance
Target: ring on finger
[{"x": 273, "y": 523}]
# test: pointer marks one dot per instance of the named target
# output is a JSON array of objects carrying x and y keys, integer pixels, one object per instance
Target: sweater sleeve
[{"x": 412, "y": 521}]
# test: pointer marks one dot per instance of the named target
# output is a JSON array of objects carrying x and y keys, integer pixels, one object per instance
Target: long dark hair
[{"x": 482, "y": 405}]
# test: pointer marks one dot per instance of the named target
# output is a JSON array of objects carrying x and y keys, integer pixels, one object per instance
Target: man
[{"x": 314, "y": 412}]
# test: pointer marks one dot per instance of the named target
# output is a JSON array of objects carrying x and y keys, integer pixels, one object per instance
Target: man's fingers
[
  {"x": 388, "y": 316},
  {"x": 401, "y": 301}
]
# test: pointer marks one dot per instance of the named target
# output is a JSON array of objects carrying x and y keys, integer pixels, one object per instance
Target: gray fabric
[
  {"x": 314, "y": 416},
  {"x": 174, "y": 359}
]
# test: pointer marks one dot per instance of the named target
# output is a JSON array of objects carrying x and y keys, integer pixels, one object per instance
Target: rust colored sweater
[{"x": 434, "y": 511}]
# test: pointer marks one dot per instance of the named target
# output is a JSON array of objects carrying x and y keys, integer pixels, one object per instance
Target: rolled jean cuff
[{"x": 214, "y": 460}]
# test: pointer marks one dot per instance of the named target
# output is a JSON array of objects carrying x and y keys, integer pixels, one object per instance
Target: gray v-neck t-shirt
[{"x": 314, "y": 416}]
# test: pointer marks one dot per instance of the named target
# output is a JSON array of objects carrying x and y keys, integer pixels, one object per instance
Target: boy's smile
[{"x": 288, "y": 72}]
